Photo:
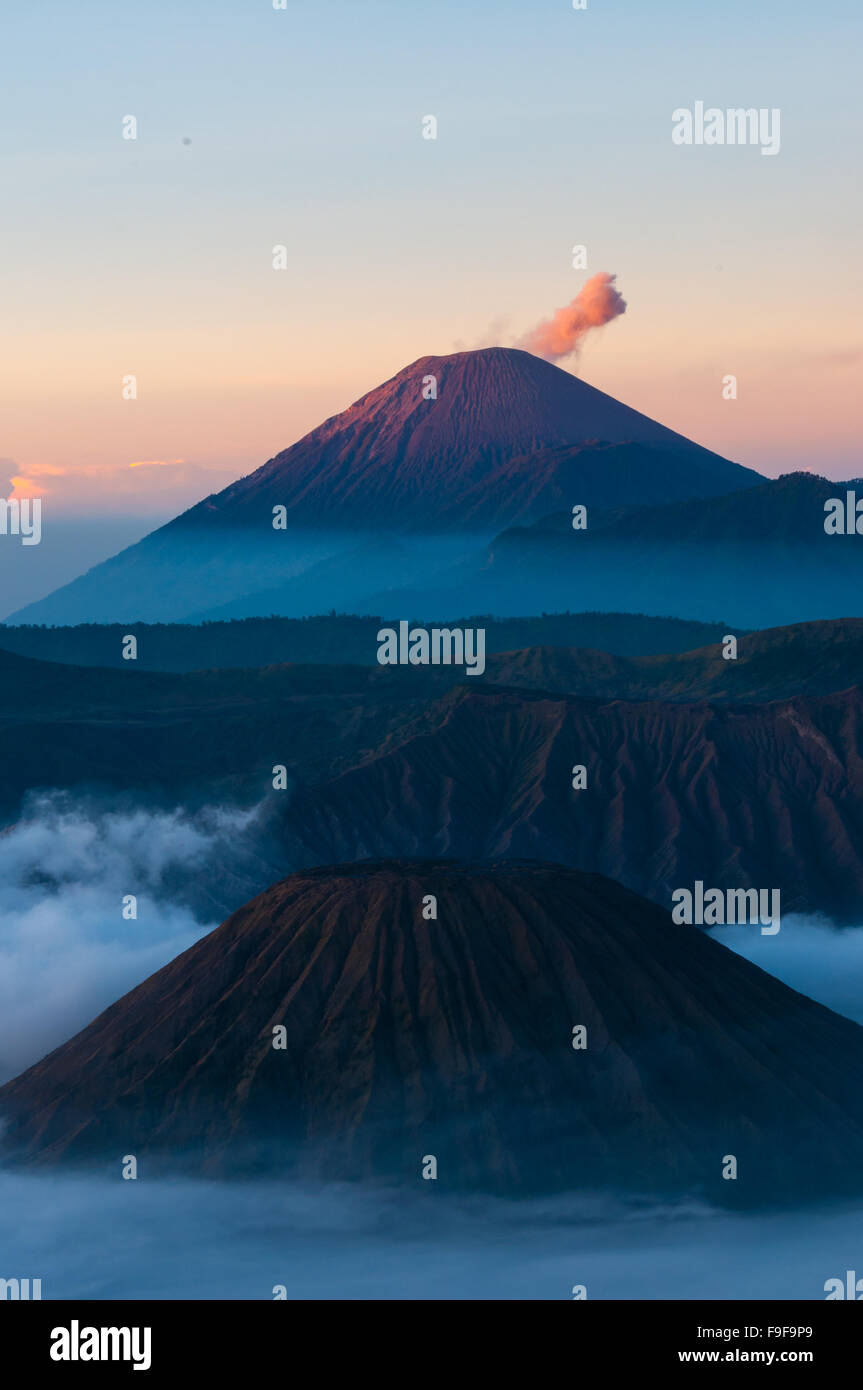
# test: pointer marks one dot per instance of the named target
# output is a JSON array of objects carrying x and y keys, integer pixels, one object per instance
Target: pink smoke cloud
[{"x": 597, "y": 303}]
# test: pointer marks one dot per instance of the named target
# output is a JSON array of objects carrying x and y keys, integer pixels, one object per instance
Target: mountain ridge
[
  {"x": 736, "y": 795},
  {"x": 758, "y": 555},
  {"x": 744, "y": 773}
]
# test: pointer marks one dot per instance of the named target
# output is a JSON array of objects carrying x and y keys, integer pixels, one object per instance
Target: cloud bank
[
  {"x": 106, "y": 1238},
  {"x": 811, "y": 956},
  {"x": 66, "y": 951}
]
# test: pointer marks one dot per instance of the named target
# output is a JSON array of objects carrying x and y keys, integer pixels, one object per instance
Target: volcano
[
  {"x": 475, "y": 440},
  {"x": 397, "y": 458},
  {"x": 429, "y": 1009}
]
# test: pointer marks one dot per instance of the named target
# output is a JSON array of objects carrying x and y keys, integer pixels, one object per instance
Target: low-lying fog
[{"x": 108, "y": 1238}]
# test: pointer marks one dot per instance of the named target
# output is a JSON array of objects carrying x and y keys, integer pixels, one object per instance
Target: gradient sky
[{"x": 153, "y": 256}]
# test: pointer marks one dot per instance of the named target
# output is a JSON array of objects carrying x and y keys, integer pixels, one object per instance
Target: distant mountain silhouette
[
  {"x": 611, "y": 655},
  {"x": 406, "y": 1038},
  {"x": 339, "y": 639},
  {"x": 506, "y": 438},
  {"x": 760, "y": 556},
  {"x": 788, "y": 510},
  {"x": 687, "y": 778},
  {"x": 803, "y": 659}
]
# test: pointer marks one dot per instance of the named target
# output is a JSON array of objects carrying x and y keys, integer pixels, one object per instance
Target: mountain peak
[{"x": 406, "y": 451}]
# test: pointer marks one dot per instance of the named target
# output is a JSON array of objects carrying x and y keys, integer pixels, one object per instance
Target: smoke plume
[{"x": 597, "y": 303}]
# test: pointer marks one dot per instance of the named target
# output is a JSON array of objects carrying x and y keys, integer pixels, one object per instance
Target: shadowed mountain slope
[
  {"x": 765, "y": 796},
  {"x": 779, "y": 662},
  {"x": 760, "y": 556},
  {"x": 406, "y": 1037}
]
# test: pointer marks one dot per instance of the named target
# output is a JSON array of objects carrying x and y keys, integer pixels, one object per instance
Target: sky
[{"x": 302, "y": 127}]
